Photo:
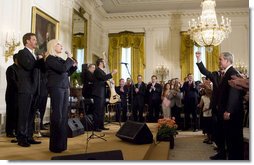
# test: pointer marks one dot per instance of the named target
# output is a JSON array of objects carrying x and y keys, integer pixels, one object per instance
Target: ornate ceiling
[{"x": 126, "y": 6}]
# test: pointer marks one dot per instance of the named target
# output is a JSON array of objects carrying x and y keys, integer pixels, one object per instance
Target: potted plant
[
  {"x": 76, "y": 79},
  {"x": 166, "y": 130}
]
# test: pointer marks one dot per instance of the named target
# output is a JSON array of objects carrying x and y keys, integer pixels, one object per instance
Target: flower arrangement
[{"x": 166, "y": 128}]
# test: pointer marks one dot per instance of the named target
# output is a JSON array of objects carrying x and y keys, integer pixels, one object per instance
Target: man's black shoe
[
  {"x": 218, "y": 156},
  {"x": 14, "y": 141},
  {"x": 23, "y": 144},
  {"x": 34, "y": 142},
  {"x": 104, "y": 128}
]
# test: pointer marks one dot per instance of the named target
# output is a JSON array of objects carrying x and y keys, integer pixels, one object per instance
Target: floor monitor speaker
[
  {"x": 75, "y": 127},
  {"x": 135, "y": 132}
]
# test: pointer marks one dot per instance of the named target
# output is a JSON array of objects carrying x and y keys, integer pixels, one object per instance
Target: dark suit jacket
[
  {"x": 27, "y": 74},
  {"x": 88, "y": 80},
  {"x": 99, "y": 87},
  {"x": 140, "y": 96},
  {"x": 154, "y": 96},
  {"x": 43, "y": 80},
  {"x": 58, "y": 71},
  {"x": 230, "y": 99},
  {"x": 215, "y": 78},
  {"x": 123, "y": 95},
  {"x": 190, "y": 93},
  {"x": 12, "y": 83}
]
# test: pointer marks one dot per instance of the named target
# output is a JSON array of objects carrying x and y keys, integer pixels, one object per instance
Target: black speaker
[
  {"x": 106, "y": 155},
  {"x": 75, "y": 127},
  {"x": 135, "y": 132}
]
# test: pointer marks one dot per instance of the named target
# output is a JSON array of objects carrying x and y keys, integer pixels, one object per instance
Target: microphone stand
[{"x": 129, "y": 110}]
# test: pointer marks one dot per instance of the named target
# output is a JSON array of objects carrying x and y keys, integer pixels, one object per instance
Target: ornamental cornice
[{"x": 168, "y": 14}]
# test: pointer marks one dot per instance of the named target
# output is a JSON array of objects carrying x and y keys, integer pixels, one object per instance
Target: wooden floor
[{"x": 80, "y": 145}]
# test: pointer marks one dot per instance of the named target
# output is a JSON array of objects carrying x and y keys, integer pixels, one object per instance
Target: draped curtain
[
  {"x": 125, "y": 40},
  {"x": 187, "y": 55}
]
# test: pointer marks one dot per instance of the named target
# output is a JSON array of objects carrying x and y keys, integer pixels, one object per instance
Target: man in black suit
[
  {"x": 190, "y": 92},
  {"x": 11, "y": 98},
  {"x": 218, "y": 133},
  {"x": 230, "y": 109},
  {"x": 122, "y": 90},
  {"x": 139, "y": 92},
  {"x": 154, "y": 90},
  {"x": 88, "y": 79},
  {"x": 27, "y": 87},
  {"x": 98, "y": 93}
]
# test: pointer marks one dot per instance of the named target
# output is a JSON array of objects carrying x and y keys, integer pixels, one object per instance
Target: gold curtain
[
  {"x": 212, "y": 59},
  {"x": 78, "y": 42},
  {"x": 186, "y": 59},
  {"x": 125, "y": 40},
  {"x": 186, "y": 55}
]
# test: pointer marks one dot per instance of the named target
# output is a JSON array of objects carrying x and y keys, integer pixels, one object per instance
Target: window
[
  {"x": 197, "y": 74},
  {"x": 126, "y": 58},
  {"x": 80, "y": 59}
]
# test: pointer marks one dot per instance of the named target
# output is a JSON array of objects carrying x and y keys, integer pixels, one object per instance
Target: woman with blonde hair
[{"x": 58, "y": 72}]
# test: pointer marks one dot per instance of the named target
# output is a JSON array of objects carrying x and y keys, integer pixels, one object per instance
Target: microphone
[
  {"x": 66, "y": 52},
  {"x": 125, "y": 63}
]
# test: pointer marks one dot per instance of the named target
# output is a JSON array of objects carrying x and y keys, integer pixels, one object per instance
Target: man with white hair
[{"x": 230, "y": 109}]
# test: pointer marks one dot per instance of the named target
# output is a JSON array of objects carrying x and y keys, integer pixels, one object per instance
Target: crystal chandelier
[
  {"x": 162, "y": 71},
  {"x": 206, "y": 31}
]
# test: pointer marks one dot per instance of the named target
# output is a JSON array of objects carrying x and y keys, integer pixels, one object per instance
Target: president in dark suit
[
  {"x": 11, "y": 99},
  {"x": 230, "y": 109},
  {"x": 58, "y": 72},
  {"x": 218, "y": 132},
  {"x": 98, "y": 93},
  {"x": 27, "y": 88}
]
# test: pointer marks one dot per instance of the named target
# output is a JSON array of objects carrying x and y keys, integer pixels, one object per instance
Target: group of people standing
[
  {"x": 26, "y": 78},
  {"x": 23, "y": 87}
]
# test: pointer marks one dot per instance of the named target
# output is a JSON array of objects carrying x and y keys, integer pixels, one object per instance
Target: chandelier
[
  {"x": 162, "y": 71},
  {"x": 206, "y": 31}
]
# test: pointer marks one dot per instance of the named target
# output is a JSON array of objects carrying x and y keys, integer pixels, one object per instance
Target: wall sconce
[
  {"x": 162, "y": 71},
  {"x": 10, "y": 45}
]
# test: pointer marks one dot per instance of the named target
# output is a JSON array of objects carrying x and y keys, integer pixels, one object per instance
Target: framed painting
[{"x": 45, "y": 27}]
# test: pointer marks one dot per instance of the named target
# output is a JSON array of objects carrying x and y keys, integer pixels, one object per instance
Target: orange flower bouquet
[{"x": 166, "y": 129}]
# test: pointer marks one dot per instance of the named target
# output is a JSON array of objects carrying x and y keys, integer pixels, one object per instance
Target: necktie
[{"x": 222, "y": 74}]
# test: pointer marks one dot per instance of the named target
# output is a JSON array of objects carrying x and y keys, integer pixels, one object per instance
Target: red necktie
[{"x": 222, "y": 74}]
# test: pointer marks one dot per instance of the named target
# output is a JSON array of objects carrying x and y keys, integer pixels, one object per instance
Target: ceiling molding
[
  {"x": 127, "y": 6},
  {"x": 168, "y": 14}
]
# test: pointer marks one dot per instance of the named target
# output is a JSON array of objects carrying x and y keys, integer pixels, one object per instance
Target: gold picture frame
[{"x": 45, "y": 27}]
